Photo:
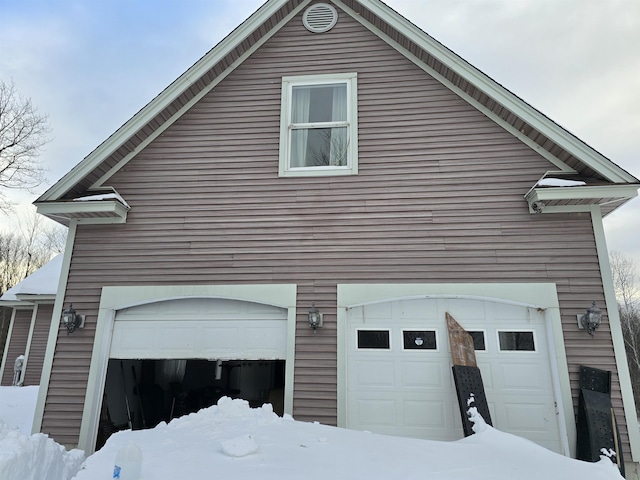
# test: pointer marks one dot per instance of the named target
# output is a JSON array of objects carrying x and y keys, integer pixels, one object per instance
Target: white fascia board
[
  {"x": 519, "y": 107},
  {"x": 26, "y": 297},
  {"x": 160, "y": 102},
  {"x": 581, "y": 193},
  {"x": 16, "y": 304}
]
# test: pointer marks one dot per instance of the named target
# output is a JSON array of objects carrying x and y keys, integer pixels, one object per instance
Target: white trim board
[{"x": 624, "y": 376}]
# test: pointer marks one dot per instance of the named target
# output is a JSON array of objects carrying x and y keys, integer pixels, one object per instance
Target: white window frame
[{"x": 350, "y": 80}]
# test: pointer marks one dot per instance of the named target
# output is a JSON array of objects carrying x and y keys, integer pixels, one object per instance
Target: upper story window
[{"x": 319, "y": 128}]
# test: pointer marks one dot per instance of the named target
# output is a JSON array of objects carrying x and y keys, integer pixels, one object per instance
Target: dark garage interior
[{"x": 140, "y": 393}]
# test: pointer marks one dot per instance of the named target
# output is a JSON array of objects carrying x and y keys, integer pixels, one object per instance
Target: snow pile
[
  {"x": 232, "y": 440},
  {"x": 559, "y": 182},
  {"x": 35, "y": 457},
  {"x": 17, "y": 405}
]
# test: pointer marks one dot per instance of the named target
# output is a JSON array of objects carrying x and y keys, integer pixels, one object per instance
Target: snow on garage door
[
  {"x": 207, "y": 328},
  {"x": 399, "y": 378}
]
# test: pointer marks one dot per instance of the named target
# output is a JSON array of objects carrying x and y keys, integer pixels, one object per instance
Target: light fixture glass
[
  {"x": 315, "y": 318},
  {"x": 592, "y": 319},
  {"x": 71, "y": 320}
]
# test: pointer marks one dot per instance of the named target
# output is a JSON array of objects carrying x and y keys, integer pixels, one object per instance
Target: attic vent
[{"x": 320, "y": 17}]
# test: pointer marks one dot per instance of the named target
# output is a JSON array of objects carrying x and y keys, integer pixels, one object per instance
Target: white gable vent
[{"x": 320, "y": 17}]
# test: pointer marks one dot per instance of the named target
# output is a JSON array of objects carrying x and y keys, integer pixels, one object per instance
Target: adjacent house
[
  {"x": 31, "y": 302},
  {"x": 329, "y": 161}
]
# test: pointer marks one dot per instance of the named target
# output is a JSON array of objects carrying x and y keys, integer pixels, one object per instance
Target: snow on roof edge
[{"x": 43, "y": 281}]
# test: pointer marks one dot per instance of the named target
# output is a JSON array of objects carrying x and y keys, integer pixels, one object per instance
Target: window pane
[
  {"x": 319, "y": 147},
  {"x": 373, "y": 339},
  {"x": 319, "y": 103},
  {"x": 478, "y": 340},
  {"x": 521, "y": 341},
  {"x": 419, "y": 340}
]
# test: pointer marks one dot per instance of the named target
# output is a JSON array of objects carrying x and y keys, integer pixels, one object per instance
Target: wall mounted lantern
[
  {"x": 315, "y": 318},
  {"x": 590, "y": 320},
  {"x": 71, "y": 320}
]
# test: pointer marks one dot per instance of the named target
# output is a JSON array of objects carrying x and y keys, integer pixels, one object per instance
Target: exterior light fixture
[
  {"x": 590, "y": 320},
  {"x": 71, "y": 320},
  {"x": 315, "y": 318}
]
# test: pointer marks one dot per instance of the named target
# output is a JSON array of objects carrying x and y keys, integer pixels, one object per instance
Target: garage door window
[
  {"x": 479, "y": 345},
  {"x": 517, "y": 341},
  {"x": 419, "y": 340},
  {"x": 374, "y": 339}
]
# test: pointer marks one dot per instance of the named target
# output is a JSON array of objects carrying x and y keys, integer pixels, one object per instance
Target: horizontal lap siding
[
  {"x": 38, "y": 345},
  {"x": 17, "y": 344},
  {"x": 438, "y": 198}
]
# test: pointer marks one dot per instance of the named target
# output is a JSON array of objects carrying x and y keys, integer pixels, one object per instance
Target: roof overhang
[
  {"x": 36, "y": 298},
  {"x": 542, "y": 199},
  {"x": 27, "y": 300},
  {"x": 87, "y": 212},
  {"x": 17, "y": 304}
]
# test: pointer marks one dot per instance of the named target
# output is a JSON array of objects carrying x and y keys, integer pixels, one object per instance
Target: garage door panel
[
  {"x": 267, "y": 336},
  {"x": 418, "y": 383},
  {"x": 468, "y": 311},
  {"x": 176, "y": 339},
  {"x": 521, "y": 376},
  {"x": 375, "y": 374},
  {"x": 215, "y": 329},
  {"x": 221, "y": 337},
  {"x": 423, "y": 413},
  {"x": 486, "y": 370},
  {"x": 527, "y": 417},
  {"x": 375, "y": 413},
  {"x": 422, "y": 375}
]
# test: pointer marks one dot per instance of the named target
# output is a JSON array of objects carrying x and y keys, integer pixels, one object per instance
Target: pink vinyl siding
[
  {"x": 38, "y": 345},
  {"x": 17, "y": 343},
  {"x": 438, "y": 198}
]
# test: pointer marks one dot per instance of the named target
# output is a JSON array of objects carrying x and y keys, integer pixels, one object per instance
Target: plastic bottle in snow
[{"x": 128, "y": 463}]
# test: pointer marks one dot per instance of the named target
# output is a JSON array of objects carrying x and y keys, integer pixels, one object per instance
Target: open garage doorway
[{"x": 139, "y": 394}]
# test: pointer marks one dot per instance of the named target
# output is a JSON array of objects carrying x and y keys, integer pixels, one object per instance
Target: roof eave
[
  {"x": 36, "y": 297},
  {"x": 100, "y": 211},
  {"x": 578, "y": 198}
]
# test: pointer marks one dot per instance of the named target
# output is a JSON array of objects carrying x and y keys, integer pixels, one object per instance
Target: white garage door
[
  {"x": 399, "y": 378},
  {"x": 204, "y": 328}
]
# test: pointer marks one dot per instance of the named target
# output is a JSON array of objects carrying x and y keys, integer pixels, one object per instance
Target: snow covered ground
[{"x": 232, "y": 440}]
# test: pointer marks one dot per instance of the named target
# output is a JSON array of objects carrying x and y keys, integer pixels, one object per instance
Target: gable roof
[{"x": 569, "y": 154}]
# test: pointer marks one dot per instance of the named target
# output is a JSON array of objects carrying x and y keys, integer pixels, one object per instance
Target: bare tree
[
  {"x": 34, "y": 243},
  {"x": 626, "y": 282},
  {"x": 23, "y": 132}
]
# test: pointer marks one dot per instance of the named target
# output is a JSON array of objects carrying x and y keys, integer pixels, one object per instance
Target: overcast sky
[{"x": 91, "y": 65}]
